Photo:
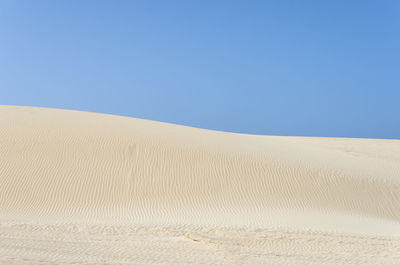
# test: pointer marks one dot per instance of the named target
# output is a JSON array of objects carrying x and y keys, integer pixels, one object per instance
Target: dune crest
[{"x": 61, "y": 166}]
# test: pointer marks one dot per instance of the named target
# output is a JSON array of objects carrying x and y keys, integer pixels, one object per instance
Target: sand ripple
[{"x": 87, "y": 188}]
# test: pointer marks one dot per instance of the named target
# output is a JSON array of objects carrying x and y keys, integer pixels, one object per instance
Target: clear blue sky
[{"x": 310, "y": 68}]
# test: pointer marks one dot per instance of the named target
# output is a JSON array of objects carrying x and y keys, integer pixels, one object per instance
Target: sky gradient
[{"x": 304, "y": 68}]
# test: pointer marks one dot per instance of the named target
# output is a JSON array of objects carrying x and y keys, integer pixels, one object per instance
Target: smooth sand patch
[{"x": 86, "y": 188}]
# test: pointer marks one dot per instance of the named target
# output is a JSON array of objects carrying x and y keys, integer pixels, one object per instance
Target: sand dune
[{"x": 87, "y": 188}]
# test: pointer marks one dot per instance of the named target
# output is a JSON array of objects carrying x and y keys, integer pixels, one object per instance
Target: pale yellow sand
[{"x": 86, "y": 188}]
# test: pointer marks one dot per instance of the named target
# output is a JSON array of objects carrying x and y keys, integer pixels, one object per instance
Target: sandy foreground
[{"x": 87, "y": 188}]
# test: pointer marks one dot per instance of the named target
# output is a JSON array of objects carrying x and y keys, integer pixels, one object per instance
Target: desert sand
[{"x": 88, "y": 188}]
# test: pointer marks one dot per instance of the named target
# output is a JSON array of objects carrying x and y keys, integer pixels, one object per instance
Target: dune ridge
[{"x": 74, "y": 168}]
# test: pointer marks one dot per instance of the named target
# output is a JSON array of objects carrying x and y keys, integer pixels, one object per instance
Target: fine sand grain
[{"x": 86, "y": 188}]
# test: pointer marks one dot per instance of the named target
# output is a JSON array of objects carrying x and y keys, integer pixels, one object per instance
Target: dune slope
[{"x": 75, "y": 171}]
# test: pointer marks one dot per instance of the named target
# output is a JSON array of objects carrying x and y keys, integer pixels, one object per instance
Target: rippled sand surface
[{"x": 88, "y": 188}]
